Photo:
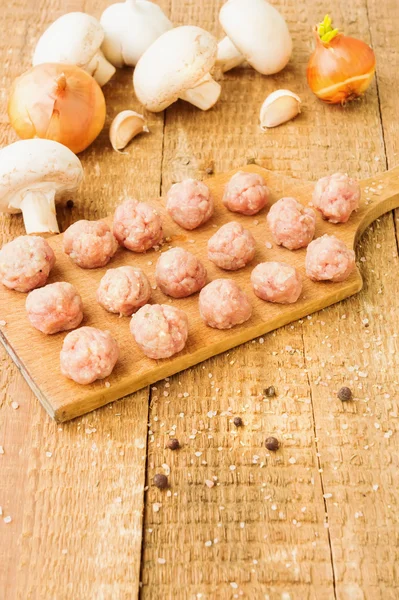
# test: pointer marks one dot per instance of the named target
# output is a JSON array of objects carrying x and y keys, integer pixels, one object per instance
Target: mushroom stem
[
  {"x": 100, "y": 68},
  {"x": 38, "y": 210},
  {"x": 204, "y": 95},
  {"x": 228, "y": 55}
]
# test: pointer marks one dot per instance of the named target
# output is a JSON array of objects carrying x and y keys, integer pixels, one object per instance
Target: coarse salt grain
[
  {"x": 209, "y": 483},
  {"x": 208, "y": 543},
  {"x": 161, "y": 561},
  {"x": 3, "y": 323},
  {"x": 327, "y": 496},
  {"x": 14, "y": 405},
  {"x": 273, "y": 507},
  {"x": 375, "y": 487},
  {"x": 234, "y": 585},
  {"x": 156, "y": 507},
  {"x": 166, "y": 468},
  {"x": 292, "y": 460},
  {"x": 232, "y": 467},
  {"x": 107, "y": 384},
  {"x": 1, "y": 450},
  {"x": 7, "y": 519},
  {"x": 269, "y": 245},
  {"x": 198, "y": 454},
  {"x": 49, "y": 454}
]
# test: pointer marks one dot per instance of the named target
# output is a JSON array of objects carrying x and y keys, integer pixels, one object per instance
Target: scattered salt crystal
[
  {"x": 168, "y": 493},
  {"x": 234, "y": 585},
  {"x": 261, "y": 340},
  {"x": 377, "y": 425},
  {"x": 166, "y": 468},
  {"x": 269, "y": 245},
  {"x": 14, "y": 405},
  {"x": 64, "y": 551},
  {"x": 107, "y": 384},
  {"x": 232, "y": 467},
  {"x": 303, "y": 509},
  {"x": 358, "y": 514},
  {"x": 375, "y": 487},
  {"x": 327, "y": 496},
  {"x": 49, "y": 454},
  {"x": 198, "y": 454},
  {"x": 344, "y": 426},
  {"x": 7, "y": 519},
  {"x": 256, "y": 222},
  {"x": 242, "y": 525},
  {"x": 208, "y": 543},
  {"x": 388, "y": 434},
  {"x": 186, "y": 395},
  {"x": 90, "y": 430},
  {"x": 209, "y": 483},
  {"x": 161, "y": 561},
  {"x": 181, "y": 415},
  {"x": 3, "y": 323},
  {"x": 156, "y": 507},
  {"x": 118, "y": 500},
  {"x": 1, "y": 450},
  {"x": 292, "y": 460},
  {"x": 273, "y": 507}
]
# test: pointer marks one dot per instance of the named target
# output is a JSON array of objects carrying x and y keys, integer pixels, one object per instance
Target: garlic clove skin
[
  {"x": 279, "y": 107},
  {"x": 126, "y": 125}
]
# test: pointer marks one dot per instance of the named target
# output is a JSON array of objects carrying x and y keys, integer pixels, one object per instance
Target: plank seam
[
  {"x": 320, "y": 475},
  {"x": 146, "y": 483}
]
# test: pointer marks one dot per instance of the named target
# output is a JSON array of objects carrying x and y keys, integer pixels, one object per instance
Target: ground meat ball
[
  {"x": 328, "y": 259},
  {"x": 179, "y": 273},
  {"x": 336, "y": 197},
  {"x": 137, "y": 226},
  {"x": 88, "y": 354},
  {"x": 90, "y": 244},
  {"x": 160, "y": 330},
  {"x": 222, "y": 304},
  {"x": 25, "y": 263},
  {"x": 291, "y": 224},
  {"x": 189, "y": 203},
  {"x": 55, "y": 307},
  {"x": 231, "y": 247},
  {"x": 246, "y": 193},
  {"x": 123, "y": 290},
  {"x": 276, "y": 282}
]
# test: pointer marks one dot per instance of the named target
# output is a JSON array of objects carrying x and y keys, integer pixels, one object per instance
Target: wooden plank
[
  {"x": 36, "y": 354},
  {"x": 268, "y": 552},
  {"x": 77, "y": 514}
]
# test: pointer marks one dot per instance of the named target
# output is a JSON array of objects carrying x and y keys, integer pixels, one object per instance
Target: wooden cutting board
[{"x": 37, "y": 355}]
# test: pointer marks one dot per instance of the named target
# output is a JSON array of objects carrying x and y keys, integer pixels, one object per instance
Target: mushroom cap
[
  {"x": 259, "y": 32},
  {"x": 174, "y": 63},
  {"x": 36, "y": 164},
  {"x": 130, "y": 28},
  {"x": 74, "y": 38}
]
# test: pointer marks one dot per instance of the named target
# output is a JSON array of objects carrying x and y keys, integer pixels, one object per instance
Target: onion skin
[
  {"x": 340, "y": 70},
  {"x": 57, "y": 102}
]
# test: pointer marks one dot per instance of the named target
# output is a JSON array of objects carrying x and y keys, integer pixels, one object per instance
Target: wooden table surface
[{"x": 318, "y": 519}]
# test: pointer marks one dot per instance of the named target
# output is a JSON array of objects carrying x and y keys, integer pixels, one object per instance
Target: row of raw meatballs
[{"x": 161, "y": 330}]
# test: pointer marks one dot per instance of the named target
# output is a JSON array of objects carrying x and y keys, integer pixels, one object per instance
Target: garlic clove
[
  {"x": 126, "y": 125},
  {"x": 280, "y": 106}
]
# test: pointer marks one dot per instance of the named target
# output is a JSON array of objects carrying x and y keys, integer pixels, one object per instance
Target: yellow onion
[
  {"x": 341, "y": 68},
  {"x": 57, "y": 102}
]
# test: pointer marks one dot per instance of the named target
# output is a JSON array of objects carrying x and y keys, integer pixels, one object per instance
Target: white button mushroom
[
  {"x": 75, "y": 38},
  {"x": 34, "y": 174},
  {"x": 256, "y": 32},
  {"x": 130, "y": 28},
  {"x": 177, "y": 65}
]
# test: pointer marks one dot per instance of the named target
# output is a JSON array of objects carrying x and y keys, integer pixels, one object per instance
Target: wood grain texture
[
  {"x": 355, "y": 557},
  {"x": 37, "y": 355}
]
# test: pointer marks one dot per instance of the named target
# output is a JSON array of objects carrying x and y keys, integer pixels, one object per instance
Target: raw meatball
[
  {"x": 123, "y": 290},
  {"x": 231, "y": 247},
  {"x": 336, "y": 197},
  {"x": 276, "y": 282},
  {"x": 55, "y": 307},
  {"x": 179, "y": 273},
  {"x": 328, "y": 259},
  {"x": 25, "y": 263},
  {"x": 90, "y": 244},
  {"x": 137, "y": 226},
  {"x": 222, "y": 304},
  {"x": 189, "y": 203},
  {"x": 88, "y": 354},
  {"x": 291, "y": 224},
  {"x": 246, "y": 193},
  {"x": 160, "y": 330}
]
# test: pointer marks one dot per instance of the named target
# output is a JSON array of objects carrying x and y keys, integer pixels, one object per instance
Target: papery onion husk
[
  {"x": 57, "y": 102},
  {"x": 341, "y": 68}
]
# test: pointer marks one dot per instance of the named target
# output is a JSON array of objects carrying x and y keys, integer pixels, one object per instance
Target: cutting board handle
[{"x": 382, "y": 192}]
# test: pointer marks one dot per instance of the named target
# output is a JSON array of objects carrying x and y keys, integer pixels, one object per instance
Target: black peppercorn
[
  {"x": 270, "y": 391},
  {"x": 238, "y": 421},
  {"x": 160, "y": 481},
  {"x": 173, "y": 444},
  {"x": 345, "y": 394},
  {"x": 272, "y": 444},
  {"x": 70, "y": 204}
]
